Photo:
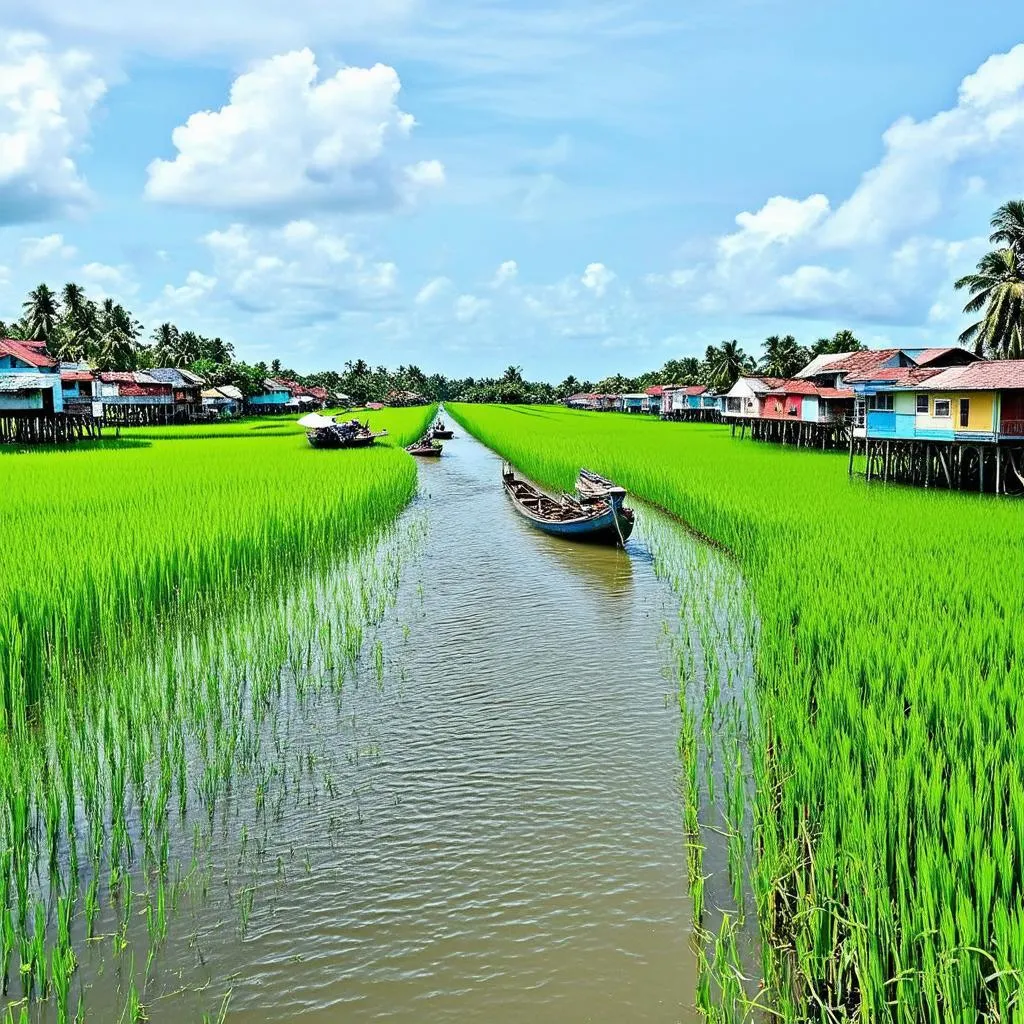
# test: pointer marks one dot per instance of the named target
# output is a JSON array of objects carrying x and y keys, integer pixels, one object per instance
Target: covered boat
[
  {"x": 599, "y": 519},
  {"x": 325, "y": 432},
  {"x": 440, "y": 432},
  {"x": 425, "y": 447}
]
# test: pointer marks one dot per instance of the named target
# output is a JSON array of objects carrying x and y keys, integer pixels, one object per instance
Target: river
[{"x": 495, "y": 829}]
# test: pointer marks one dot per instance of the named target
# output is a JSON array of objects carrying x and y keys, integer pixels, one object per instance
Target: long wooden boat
[
  {"x": 352, "y": 434},
  {"x": 442, "y": 433},
  {"x": 600, "y": 520},
  {"x": 425, "y": 447}
]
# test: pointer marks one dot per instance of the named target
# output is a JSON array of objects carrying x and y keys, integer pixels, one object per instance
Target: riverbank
[{"x": 889, "y": 697}]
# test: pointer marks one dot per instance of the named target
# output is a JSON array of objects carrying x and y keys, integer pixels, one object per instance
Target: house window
[
  {"x": 922, "y": 404},
  {"x": 858, "y": 412},
  {"x": 940, "y": 410},
  {"x": 880, "y": 403},
  {"x": 965, "y": 412}
]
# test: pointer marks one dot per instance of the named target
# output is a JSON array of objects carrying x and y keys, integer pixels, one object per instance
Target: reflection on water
[{"x": 486, "y": 826}]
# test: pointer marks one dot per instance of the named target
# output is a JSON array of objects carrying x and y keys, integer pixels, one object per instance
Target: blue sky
[{"x": 574, "y": 186}]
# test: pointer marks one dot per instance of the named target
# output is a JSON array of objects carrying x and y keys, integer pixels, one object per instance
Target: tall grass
[
  {"x": 146, "y": 635},
  {"x": 888, "y": 755},
  {"x": 98, "y": 540}
]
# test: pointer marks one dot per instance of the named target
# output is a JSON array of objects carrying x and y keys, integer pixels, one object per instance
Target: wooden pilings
[
  {"x": 983, "y": 466},
  {"x": 46, "y": 428},
  {"x": 827, "y": 435}
]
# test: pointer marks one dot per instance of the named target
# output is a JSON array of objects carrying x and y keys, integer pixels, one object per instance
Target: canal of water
[{"x": 493, "y": 830}]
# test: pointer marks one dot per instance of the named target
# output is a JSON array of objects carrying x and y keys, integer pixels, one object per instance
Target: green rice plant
[{"x": 882, "y": 770}]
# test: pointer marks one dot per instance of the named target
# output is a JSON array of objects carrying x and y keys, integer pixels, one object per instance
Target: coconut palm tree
[
  {"x": 1008, "y": 226},
  {"x": 725, "y": 363},
  {"x": 165, "y": 343},
  {"x": 782, "y": 356},
  {"x": 997, "y": 287},
  {"x": 42, "y": 312}
]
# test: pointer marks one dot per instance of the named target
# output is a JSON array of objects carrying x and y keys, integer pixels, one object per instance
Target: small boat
[
  {"x": 425, "y": 447},
  {"x": 591, "y": 487},
  {"x": 325, "y": 432},
  {"x": 599, "y": 519},
  {"x": 442, "y": 433}
]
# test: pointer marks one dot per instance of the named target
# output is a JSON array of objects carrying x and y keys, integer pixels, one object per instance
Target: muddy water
[{"x": 493, "y": 831}]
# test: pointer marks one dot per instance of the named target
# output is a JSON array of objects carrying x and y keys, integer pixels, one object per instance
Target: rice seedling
[
  {"x": 148, "y": 622},
  {"x": 882, "y": 768}
]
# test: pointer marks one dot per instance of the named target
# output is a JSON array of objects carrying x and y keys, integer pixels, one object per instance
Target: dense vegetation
[{"x": 888, "y": 762}]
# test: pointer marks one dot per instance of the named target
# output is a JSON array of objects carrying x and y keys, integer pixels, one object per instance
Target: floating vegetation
[
  {"x": 881, "y": 821},
  {"x": 153, "y": 645}
]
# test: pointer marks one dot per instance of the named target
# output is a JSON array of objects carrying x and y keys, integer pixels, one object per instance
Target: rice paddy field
[
  {"x": 121, "y": 704},
  {"x": 873, "y": 795}
]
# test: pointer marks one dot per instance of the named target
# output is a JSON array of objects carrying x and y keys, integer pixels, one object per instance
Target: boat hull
[
  {"x": 444, "y": 435},
  {"x": 425, "y": 453},
  {"x": 610, "y": 524}
]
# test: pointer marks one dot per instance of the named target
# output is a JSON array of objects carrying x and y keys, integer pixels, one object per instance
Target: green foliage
[{"x": 889, "y": 799}]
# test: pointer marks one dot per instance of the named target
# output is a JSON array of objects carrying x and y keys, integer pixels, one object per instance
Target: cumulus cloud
[
  {"x": 468, "y": 308},
  {"x": 37, "y": 250},
  {"x": 596, "y": 278},
  {"x": 289, "y": 139},
  {"x": 301, "y": 270},
  {"x": 46, "y": 99},
  {"x": 871, "y": 254},
  {"x": 505, "y": 274},
  {"x": 431, "y": 290}
]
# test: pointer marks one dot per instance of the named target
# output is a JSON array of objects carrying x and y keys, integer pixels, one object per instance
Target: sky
[{"x": 577, "y": 186}]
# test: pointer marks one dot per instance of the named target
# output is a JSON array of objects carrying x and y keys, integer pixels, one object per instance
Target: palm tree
[
  {"x": 725, "y": 364},
  {"x": 997, "y": 287},
  {"x": 41, "y": 312},
  {"x": 569, "y": 386},
  {"x": 782, "y": 356},
  {"x": 165, "y": 344},
  {"x": 1008, "y": 226},
  {"x": 119, "y": 336}
]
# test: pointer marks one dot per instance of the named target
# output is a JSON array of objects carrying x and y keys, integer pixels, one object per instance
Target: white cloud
[
  {"x": 302, "y": 272},
  {"x": 468, "y": 308},
  {"x": 871, "y": 255},
  {"x": 431, "y": 290},
  {"x": 597, "y": 277},
  {"x": 289, "y": 139},
  {"x": 36, "y": 250},
  {"x": 506, "y": 273},
  {"x": 197, "y": 286},
  {"x": 780, "y": 220},
  {"x": 46, "y": 99}
]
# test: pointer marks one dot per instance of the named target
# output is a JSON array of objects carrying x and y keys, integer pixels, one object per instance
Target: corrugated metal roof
[
  {"x": 27, "y": 381},
  {"x": 997, "y": 375},
  {"x": 894, "y": 375},
  {"x": 819, "y": 363},
  {"x": 31, "y": 352},
  {"x": 75, "y": 375}
]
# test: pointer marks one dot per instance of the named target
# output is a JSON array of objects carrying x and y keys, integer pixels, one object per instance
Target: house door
[{"x": 965, "y": 412}]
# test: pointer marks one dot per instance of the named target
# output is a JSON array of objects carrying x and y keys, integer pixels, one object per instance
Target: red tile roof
[
  {"x": 75, "y": 375},
  {"x": 836, "y": 393},
  {"x": 894, "y": 375},
  {"x": 694, "y": 389},
  {"x": 31, "y": 352},
  {"x": 796, "y": 387},
  {"x": 655, "y": 390},
  {"x": 860, "y": 361},
  {"x": 997, "y": 375}
]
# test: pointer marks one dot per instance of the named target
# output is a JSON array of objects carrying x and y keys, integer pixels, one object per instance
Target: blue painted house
[
  {"x": 274, "y": 398},
  {"x": 29, "y": 379}
]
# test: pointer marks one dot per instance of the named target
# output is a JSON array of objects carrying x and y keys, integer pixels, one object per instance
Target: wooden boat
[
  {"x": 425, "y": 447},
  {"x": 600, "y": 520},
  {"x": 324, "y": 432},
  {"x": 591, "y": 487},
  {"x": 442, "y": 433}
]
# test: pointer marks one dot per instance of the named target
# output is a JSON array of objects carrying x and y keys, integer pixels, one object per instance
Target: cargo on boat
[
  {"x": 441, "y": 432},
  {"x": 599, "y": 518},
  {"x": 425, "y": 447},
  {"x": 325, "y": 432}
]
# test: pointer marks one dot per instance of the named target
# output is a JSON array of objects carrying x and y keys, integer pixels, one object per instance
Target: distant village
[
  {"x": 45, "y": 400},
  {"x": 928, "y": 416}
]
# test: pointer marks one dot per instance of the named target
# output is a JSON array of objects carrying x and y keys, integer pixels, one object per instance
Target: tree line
[{"x": 109, "y": 337}]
